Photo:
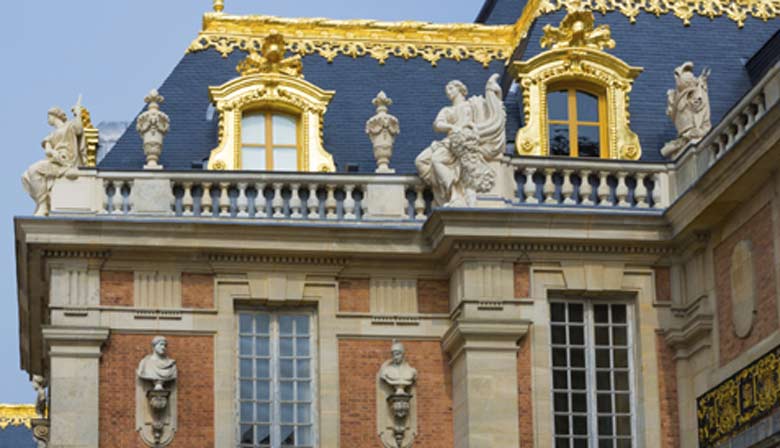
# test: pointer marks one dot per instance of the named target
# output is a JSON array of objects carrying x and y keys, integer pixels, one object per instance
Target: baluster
[
  {"x": 330, "y": 203},
  {"x": 586, "y": 189},
  {"x": 242, "y": 202},
  {"x": 313, "y": 203},
  {"x": 640, "y": 193},
  {"x": 295, "y": 201},
  {"x": 224, "y": 199},
  {"x": 206, "y": 201},
  {"x": 277, "y": 203},
  {"x": 621, "y": 191},
  {"x": 349, "y": 202},
  {"x": 260, "y": 201},
  {"x": 549, "y": 186},
  {"x": 567, "y": 189},
  {"x": 108, "y": 201},
  {"x": 186, "y": 200},
  {"x": 127, "y": 201},
  {"x": 419, "y": 203},
  {"x": 657, "y": 198},
  {"x": 603, "y": 189},
  {"x": 529, "y": 187}
]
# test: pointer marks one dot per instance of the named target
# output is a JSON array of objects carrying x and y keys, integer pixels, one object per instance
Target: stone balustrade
[{"x": 591, "y": 183}]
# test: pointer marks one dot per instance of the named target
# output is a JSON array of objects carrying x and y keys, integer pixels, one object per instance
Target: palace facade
[{"x": 558, "y": 226}]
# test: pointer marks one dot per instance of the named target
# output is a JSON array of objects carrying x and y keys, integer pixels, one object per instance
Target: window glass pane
[
  {"x": 253, "y": 128},
  {"x": 559, "y": 140},
  {"x": 588, "y": 141},
  {"x": 287, "y": 388},
  {"x": 587, "y": 107},
  {"x": 576, "y": 335},
  {"x": 558, "y": 105},
  {"x": 253, "y": 158},
  {"x": 304, "y": 391},
  {"x": 558, "y": 312},
  {"x": 284, "y": 130},
  {"x": 575, "y": 312},
  {"x": 558, "y": 334},
  {"x": 285, "y": 159}
]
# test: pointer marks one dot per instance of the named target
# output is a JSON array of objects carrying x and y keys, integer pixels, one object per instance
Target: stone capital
[
  {"x": 72, "y": 342},
  {"x": 484, "y": 326}
]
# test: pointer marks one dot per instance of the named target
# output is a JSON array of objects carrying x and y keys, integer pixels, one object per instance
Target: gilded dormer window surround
[
  {"x": 575, "y": 95},
  {"x": 270, "y": 117}
]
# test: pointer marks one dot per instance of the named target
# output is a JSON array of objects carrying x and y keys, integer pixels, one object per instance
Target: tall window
[
  {"x": 576, "y": 123},
  {"x": 275, "y": 369},
  {"x": 269, "y": 141},
  {"x": 592, "y": 374}
]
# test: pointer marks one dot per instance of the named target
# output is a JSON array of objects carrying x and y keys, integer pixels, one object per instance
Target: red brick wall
[
  {"x": 667, "y": 388},
  {"x": 194, "y": 357},
  {"x": 525, "y": 404},
  {"x": 433, "y": 296},
  {"x": 663, "y": 284},
  {"x": 116, "y": 288},
  {"x": 359, "y": 362},
  {"x": 522, "y": 280},
  {"x": 354, "y": 295},
  {"x": 197, "y": 291},
  {"x": 758, "y": 229}
]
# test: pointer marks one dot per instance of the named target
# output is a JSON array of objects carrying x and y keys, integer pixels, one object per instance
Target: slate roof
[
  {"x": 658, "y": 44},
  {"x": 16, "y": 437}
]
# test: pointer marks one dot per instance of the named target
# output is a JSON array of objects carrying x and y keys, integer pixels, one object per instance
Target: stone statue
[
  {"x": 457, "y": 167},
  {"x": 156, "y": 395},
  {"x": 382, "y": 129},
  {"x": 65, "y": 148},
  {"x": 157, "y": 367},
  {"x": 397, "y": 408},
  {"x": 40, "y": 425},
  {"x": 688, "y": 105},
  {"x": 396, "y": 372},
  {"x": 152, "y": 125}
]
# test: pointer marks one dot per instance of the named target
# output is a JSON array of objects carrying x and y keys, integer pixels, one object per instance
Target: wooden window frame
[
  {"x": 269, "y": 145},
  {"x": 571, "y": 90}
]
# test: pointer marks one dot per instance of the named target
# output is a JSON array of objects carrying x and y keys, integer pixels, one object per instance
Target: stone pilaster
[
  {"x": 482, "y": 344},
  {"x": 74, "y": 356}
]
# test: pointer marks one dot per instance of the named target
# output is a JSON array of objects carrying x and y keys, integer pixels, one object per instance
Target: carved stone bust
[
  {"x": 397, "y": 372},
  {"x": 157, "y": 367}
]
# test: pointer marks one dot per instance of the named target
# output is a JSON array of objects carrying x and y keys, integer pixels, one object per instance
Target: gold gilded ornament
[
  {"x": 16, "y": 415},
  {"x": 272, "y": 59}
]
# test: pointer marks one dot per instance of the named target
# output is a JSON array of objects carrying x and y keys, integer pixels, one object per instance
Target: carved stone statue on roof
[
  {"x": 65, "y": 148},
  {"x": 688, "y": 105},
  {"x": 457, "y": 167}
]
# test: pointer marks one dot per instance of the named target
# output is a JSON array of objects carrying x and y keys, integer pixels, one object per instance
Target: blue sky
[{"x": 113, "y": 52}]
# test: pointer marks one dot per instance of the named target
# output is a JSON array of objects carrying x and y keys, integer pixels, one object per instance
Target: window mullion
[
  {"x": 269, "y": 141},
  {"x": 275, "y": 429},
  {"x": 591, "y": 374},
  {"x": 573, "y": 145}
]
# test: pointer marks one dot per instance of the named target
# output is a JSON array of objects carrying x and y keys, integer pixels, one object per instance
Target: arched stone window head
[
  {"x": 270, "y": 118},
  {"x": 575, "y": 95}
]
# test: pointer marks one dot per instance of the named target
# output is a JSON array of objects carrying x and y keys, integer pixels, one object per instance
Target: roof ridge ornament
[
  {"x": 271, "y": 59},
  {"x": 219, "y": 5},
  {"x": 578, "y": 29}
]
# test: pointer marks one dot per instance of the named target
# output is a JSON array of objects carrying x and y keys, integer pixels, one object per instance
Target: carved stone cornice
[
  {"x": 596, "y": 248},
  {"x": 99, "y": 254},
  {"x": 484, "y": 326},
  {"x": 691, "y": 328},
  {"x": 276, "y": 259}
]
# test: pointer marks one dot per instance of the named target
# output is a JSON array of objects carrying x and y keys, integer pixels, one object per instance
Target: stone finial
[
  {"x": 382, "y": 129},
  {"x": 153, "y": 125},
  {"x": 219, "y": 5},
  {"x": 688, "y": 105}
]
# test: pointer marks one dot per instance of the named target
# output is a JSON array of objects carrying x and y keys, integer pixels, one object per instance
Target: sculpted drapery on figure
[
  {"x": 397, "y": 372},
  {"x": 157, "y": 367},
  {"x": 457, "y": 167},
  {"x": 396, "y": 403},
  {"x": 688, "y": 105},
  {"x": 65, "y": 148}
]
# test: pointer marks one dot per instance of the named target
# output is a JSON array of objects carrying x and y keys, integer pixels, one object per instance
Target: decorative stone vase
[
  {"x": 382, "y": 129},
  {"x": 153, "y": 125}
]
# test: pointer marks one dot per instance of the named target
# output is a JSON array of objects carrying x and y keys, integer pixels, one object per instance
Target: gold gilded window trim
[
  {"x": 17, "y": 415},
  {"x": 576, "y": 57},
  {"x": 356, "y": 38},
  {"x": 271, "y": 83},
  {"x": 739, "y": 401},
  {"x": 738, "y": 11}
]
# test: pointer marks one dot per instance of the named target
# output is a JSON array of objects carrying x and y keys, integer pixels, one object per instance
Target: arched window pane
[
  {"x": 284, "y": 129},
  {"x": 587, "y": 107},
  {"x": 558, "y": 105},
  {"x": 253, "y": 158},
  {"x": 559, "y": 140},
  {"x": 253, "y": 128},
  {"x": 285, "y": 159},
  {"x": 588, "y": 141}
]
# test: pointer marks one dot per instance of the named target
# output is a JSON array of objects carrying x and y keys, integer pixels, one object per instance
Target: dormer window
[
  {"x": 575, "y": 95},
  {"x": 576, "y": 122},
  {"x": 269, "y": 141}
]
